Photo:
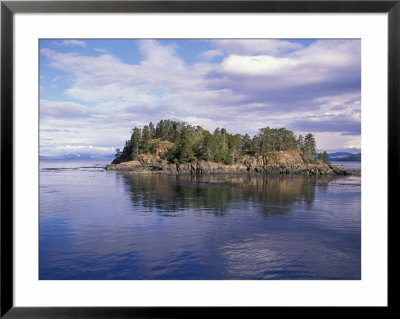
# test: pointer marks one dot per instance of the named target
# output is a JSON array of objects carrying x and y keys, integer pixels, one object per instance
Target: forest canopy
[{"x": 192, "y": 143}]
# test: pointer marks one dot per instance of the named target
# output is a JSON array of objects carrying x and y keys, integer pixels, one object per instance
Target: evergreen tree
[
  {"x": 152, "y": 130},
  {"x": 246, "y": 143},
  {"x": 135, "y": 142},
  {"x": 324, "y": 157},
  {"x": 146, "y": 138},
  {"x": 309, "y": 148},
  {"x": 127, "y": 151},
  {"x": 235, "y": 147}
]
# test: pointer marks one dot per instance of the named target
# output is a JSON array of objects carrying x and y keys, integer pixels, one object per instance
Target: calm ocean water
[
  {"x": 97, "y": 224},
  {"x": 349, "y": 165}
]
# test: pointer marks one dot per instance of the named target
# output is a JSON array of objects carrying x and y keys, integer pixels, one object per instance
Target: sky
[{"x": 94, "y": 91}]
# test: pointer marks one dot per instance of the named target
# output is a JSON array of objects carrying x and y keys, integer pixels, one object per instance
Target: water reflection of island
[{"x": 171, "y": 195}]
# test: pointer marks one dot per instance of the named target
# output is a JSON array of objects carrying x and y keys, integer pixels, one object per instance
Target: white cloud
[
  {"x": 101, "y": 50},
  {"x": 159, "y": 56},
  {"x": 324, "y": 62},
  {"x": 85, "y": 149},
  {"x": 71, "y": 43},
  {"x": 257, "y": 65},
  {"x": 256, "y": 46},
  {"x": 334, "y": 141},
  {"x": 62, "y": 109}
]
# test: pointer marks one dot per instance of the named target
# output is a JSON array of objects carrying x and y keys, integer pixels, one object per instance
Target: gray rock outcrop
[{"x": 283, "y": 165}]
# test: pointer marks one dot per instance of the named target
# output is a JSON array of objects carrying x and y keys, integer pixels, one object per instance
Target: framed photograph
[{"x": 166, "y": 158}]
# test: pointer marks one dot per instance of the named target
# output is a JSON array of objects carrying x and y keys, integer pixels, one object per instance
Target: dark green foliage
[
  {"x": 207, "y": 148},
  {"x": 307, "y": 146},
  {"x": 273, "y": 139},
  {"x": 235, "y": 147},
  {"x": 182, "y": 151},
  {"x": 152, "y": 130},
  {"x": 136, "y": 142},
  {"x": 195, "y": 143},
  {"x": 153, "y": 147},
  {"x": 169, "y": 130},
  {"x": 124, "y": 155},
  {"x": 246, "y": 142},
  {"x": 324, "y": 157},
  {"x": 146, "y": 138}
]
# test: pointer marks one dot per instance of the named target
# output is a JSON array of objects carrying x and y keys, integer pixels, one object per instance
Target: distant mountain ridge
[
  {"x": 75, "y": 156},
  {"x": 345, "y": 156}
]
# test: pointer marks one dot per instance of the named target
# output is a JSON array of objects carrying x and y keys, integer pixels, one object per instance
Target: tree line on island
[{"x": 192, "y": 143}]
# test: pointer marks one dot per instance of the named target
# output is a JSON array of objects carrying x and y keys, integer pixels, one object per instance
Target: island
[{"x": 173, "y": 147}]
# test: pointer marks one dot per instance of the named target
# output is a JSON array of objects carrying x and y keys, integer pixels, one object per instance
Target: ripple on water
[{"x": 106, "y": 225}]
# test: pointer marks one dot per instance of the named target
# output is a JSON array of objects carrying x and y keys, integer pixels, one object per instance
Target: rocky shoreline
[{"x": 247, "y": 166}]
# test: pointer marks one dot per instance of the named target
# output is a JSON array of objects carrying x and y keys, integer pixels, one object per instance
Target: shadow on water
[{"x": 171, "y": 195}]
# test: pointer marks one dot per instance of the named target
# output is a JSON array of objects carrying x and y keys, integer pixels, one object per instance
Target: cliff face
[{"x": 275, "y": 163}]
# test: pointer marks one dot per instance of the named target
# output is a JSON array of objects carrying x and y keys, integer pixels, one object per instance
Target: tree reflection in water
[{"x": 173, "y": 195}]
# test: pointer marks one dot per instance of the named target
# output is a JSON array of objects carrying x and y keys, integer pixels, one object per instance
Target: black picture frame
[{"x": 9, "y": 8}]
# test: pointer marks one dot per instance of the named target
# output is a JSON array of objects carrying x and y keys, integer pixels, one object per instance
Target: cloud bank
[{"x": 241, "y": 85}]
